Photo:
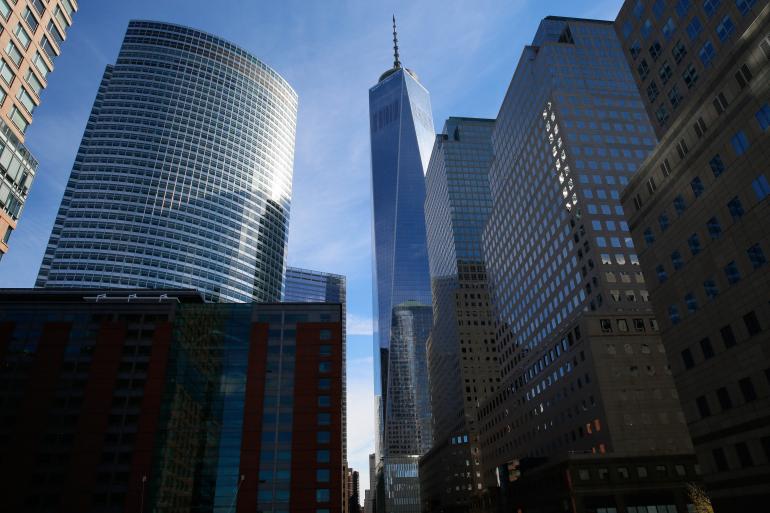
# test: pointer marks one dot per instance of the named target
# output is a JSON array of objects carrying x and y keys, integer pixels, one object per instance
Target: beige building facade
[{"x": 30, "y": 40}]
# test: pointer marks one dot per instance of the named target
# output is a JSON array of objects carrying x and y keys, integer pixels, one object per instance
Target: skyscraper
[
  {"x": 401, "y": 131},
  {"x": 462, "y": 353},
  {"x": 32, "y": 34},
  {"x": 699, "y": 213},
  {"x": 582, "y": 364},
  {"x": 184, "y": 173}
]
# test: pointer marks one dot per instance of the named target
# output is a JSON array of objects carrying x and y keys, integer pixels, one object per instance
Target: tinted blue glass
[{"x": 168, "y": 190}]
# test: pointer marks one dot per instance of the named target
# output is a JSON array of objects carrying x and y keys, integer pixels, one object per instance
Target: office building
[
  {"x": 699, "y": 215},
  {"x": 582, "y": 365},
  {"x": 462, "y": 353},
  {"x": 137, "y": 400},
  {"x": 306, "y": 286},
  {"x": 31, "y": 33},
  {"x": 183, "y": 177},
  {"x": 401, "y": 132}
]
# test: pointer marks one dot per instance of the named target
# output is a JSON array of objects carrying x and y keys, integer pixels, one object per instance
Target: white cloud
[{"x": 358, "y": 325}]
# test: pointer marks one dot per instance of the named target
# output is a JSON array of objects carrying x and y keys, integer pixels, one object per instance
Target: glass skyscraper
[
  {"x": 402, "y": 134},
  {"x": 184, "y": 173}
]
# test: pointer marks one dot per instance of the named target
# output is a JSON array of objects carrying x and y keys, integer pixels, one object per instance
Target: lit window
[
  {"x": 725, "y": 29},
  {"x": 707, "y": 54},
  {"x": 763, "y": 117},
  {"x": 740, "y": 143}
]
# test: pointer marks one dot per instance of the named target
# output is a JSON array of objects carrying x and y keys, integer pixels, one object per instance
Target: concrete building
[
  {"x": 582, "y": 365},
  {"x": 462, "y": 353},
  {"x": 401, "y": 134},
  {"x": 184, "y": 173},
  {"x": 32, "y": 33},
  {"x": 111, "y": 389},
  {"x": 699, "y": 214}
]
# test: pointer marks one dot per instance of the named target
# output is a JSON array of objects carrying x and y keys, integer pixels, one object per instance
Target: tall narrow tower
[{"x": 402, "y": 134}]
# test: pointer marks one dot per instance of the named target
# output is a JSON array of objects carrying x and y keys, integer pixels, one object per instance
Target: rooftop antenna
[{"x": 396, "y": 62}]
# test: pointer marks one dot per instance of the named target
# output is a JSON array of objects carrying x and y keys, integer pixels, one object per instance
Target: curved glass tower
[
  {"x": 184, "y": 173},
  {"x": 401, "y": 130}
]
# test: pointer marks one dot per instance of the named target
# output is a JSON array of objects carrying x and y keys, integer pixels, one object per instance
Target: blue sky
[{"x": 331, "y": 52}]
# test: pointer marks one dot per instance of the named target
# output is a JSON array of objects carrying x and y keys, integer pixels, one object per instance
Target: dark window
[
  {"x": 714, "y": 228},
  {"x": 697, "y": 186},
  {"x": 643, "y": 69},
  {"x": 717, "y": 165},
  {"x": 676, "y": 260},
  {"x": 720, "y": 103},
  {"x": 687, "y": 359},
  {"x": 663, "y": 221},
  {"x": 747, "y": 389},
  {"x": 680, "y": 205},
  {"x": 728, "y": 336},
  {"x": 743, "y": 76},
  {"x": 740, "y": 143},
  {"x": 694, "y": 244},
  {"x": 761, "y": 187},
  {"x": 732, "y": 273},
  {"x": 662, "y": 274},
  {"x": 756, "y": 256},
  {"x": 665, "y": 72},
  {"x": 700, "y": 127},
  {"x": 635, "y": 49},
  {"x": 744, "y": 456},
  {"x": 652, "y": 91},
  {"x": 690, "y": 76},
  {"x": 711, "y": 289},
  {"x": 673, "y": 314},
  {"x": 665, "y": 167},
  {"x": 719, "y": 459},
  {"x": 655, "y": 50},
  {"x": 707, "y": 348},
  {"x": 678, "y": 51},
  {"x": 649, "y": 238},
  {"x": 703, "y": 407},
  {"x": 724, "y": 398},
  {"x": 690, "y": 302},
  {"x": 736, "y": 208},
  {"x": 752, "y": 323}
]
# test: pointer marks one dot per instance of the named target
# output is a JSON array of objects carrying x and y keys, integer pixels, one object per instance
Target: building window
[
  {"x": 676, "y": 260},
  {"x": 747, "y": 389},
  {"x": 18, "y": 119},
  {"x": 324, "y": 401},
  {"x": 323, "y": 437},
  {"x": 643, "y": 69},
  {"x": 665, "y": 72},
  {"x": 690, "y": 76},
  {"x": 5, "y": 9},
  {"x": 761, "y": 187},
  {"x": 707, "y": 348},
  {"x": 745, "y": 5},
  {"x": 662, "y": 275},
  {"x": 325, "y": 350},
  {"x": 691, "y": 303},
  {"x": 324, "y": 383},
  {"x": 665, "y": 167},
  {"x": 763, "y": 117},
  {"x": 723, "y": 396},
  {"x": 720, "y": 103},
  {"x": 673, "y": 314},
  {"x": 324, "y": 419},
  {"x": 703, "y": 407},
  {"x": 725, "y": 28},
  {"x": 655, "y": 50},
  {"x": 682, "y": 6},
  {"x": 744, "y": 456},
  {"x": 324, "y": 366},
  {"x": 728, "y": 336},
  {"x": 680, "y": 205},
  {"x": 697, "y": 186},
  {"x": 652, "y": 91},
  {"x": 740, "y": 143},
  {"x": 322, "y": 495},
  {"x": 743, "y": 76},
  {"x": 13, "y": 53},
  {"x": 707, "y": 54},
  {"x": 30, "y": 19},
  {"x": 756, "y": 256},
  {"x": 693, "y": 242},
  {"x": 649, "y": 238},
  {"x": 26, "y": 100},
  {"x": 710, "y": 287},
  {"x": 322, "y": 456},
  {"x": 714, "y": 228},
  {"x": 322, "y": 475},
  {"x": 735, "y": 208},
  {"x": 687, "y": 359},
  {"x": 663, "y": 221},
  {"x": 681, "y": 148},
  {"x": 679, "y": 51},
  {"x": 635, "y": 49},
  {"x": 675, "y": 97},
  {"x": 717, "y": 165},
  {"x": 752, "y": 323},
  {"x": 23, "y": 36},
  {"x": 662, "y": 115},
  {"x": 700, "y": 127},
  {"x": 732, "y": 273},
  {"x": 720, "y": 461},
  {"x": 694, "y": 28}
]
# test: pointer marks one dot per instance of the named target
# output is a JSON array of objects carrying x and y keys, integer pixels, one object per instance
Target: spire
[{"x": 396, "y": 62}]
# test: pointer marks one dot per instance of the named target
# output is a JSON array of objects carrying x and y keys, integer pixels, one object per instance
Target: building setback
[
  {"x": 582, "y": 364},
  {"x": 183, "y": 176},
  {"x": 129, "y": 400},
  {"x": 402, "y": 134},
  {"x": 462, "y": 353},
  {"x": 32, "y": 34},
  {"x": 699, "y": 215}
]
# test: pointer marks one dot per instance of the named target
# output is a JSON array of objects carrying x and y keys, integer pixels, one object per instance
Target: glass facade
[
  {"x": 184, "y": 173},
  {"x": 402, "y": 134}
]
